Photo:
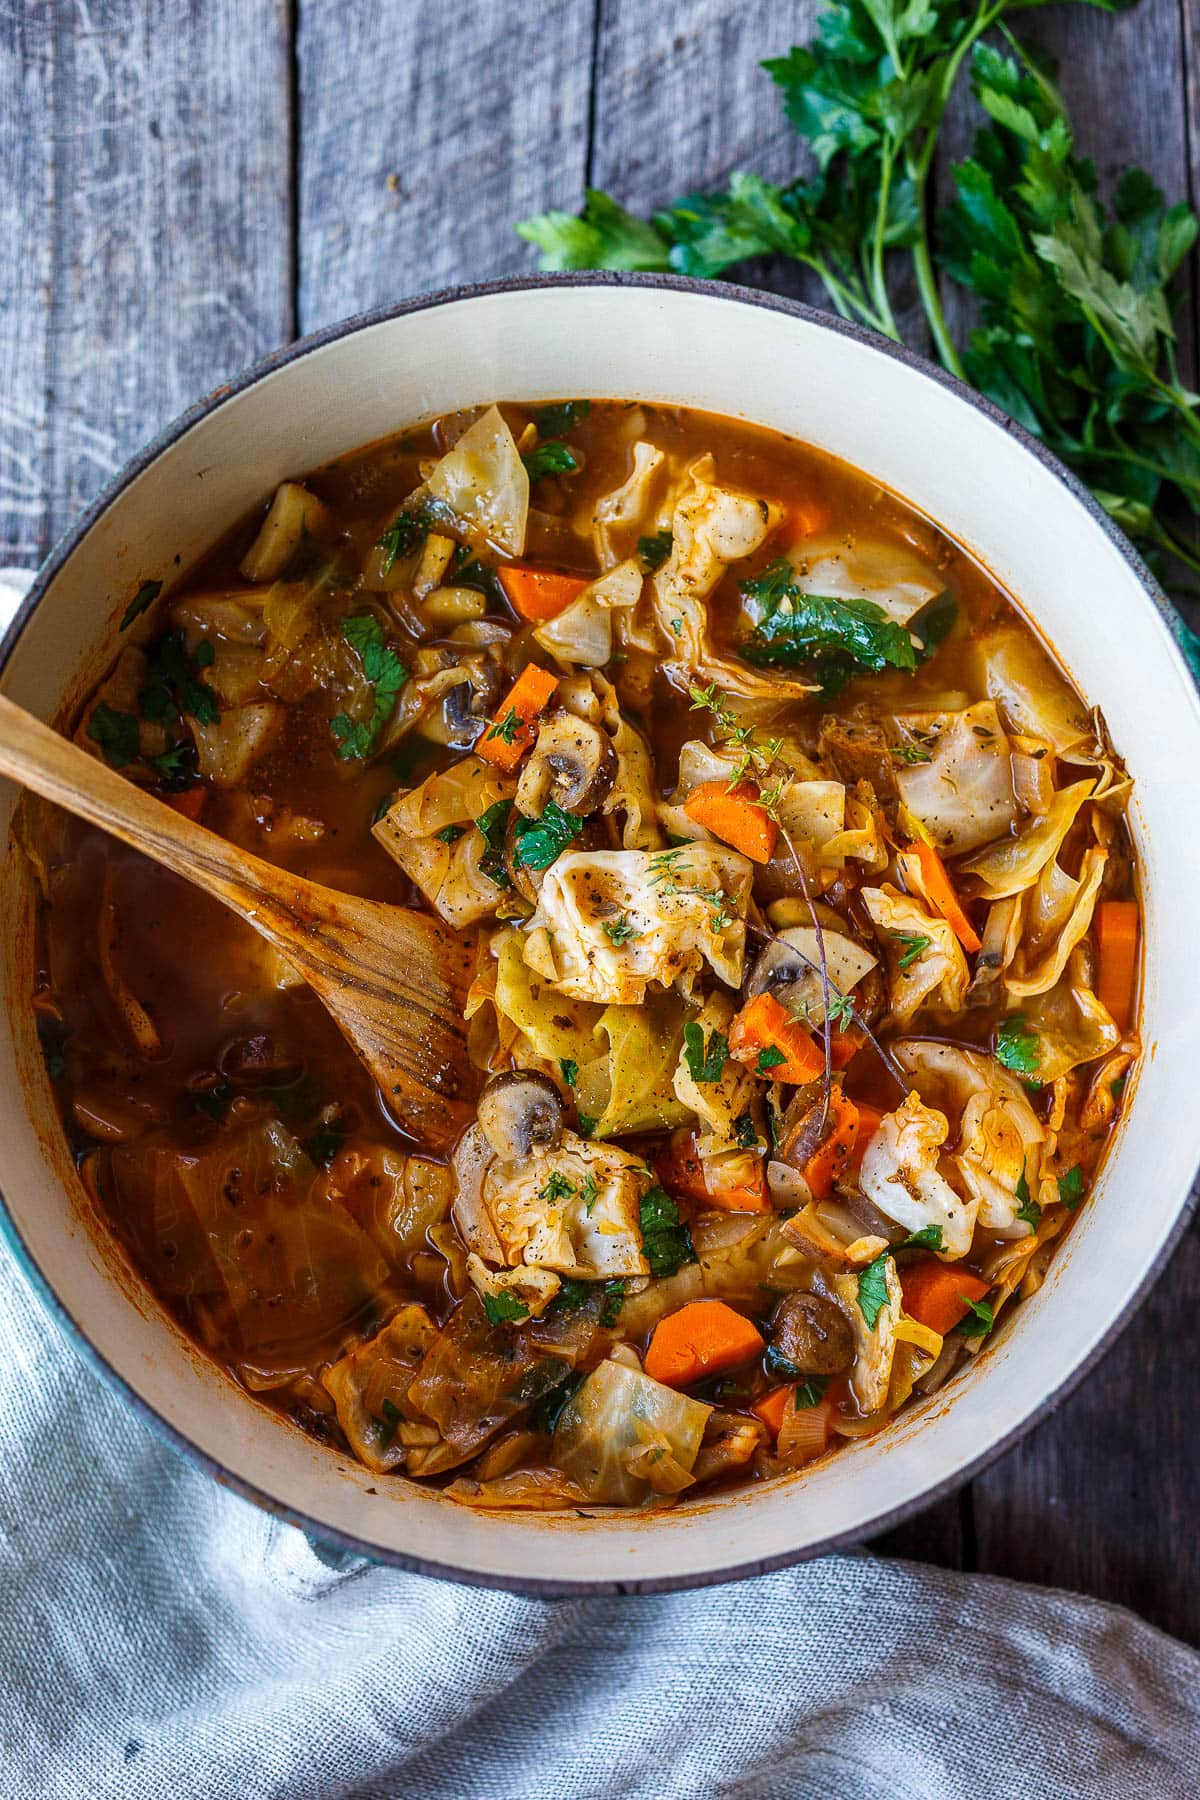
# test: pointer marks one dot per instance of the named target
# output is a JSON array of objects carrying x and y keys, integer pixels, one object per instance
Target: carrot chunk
[
  {"x": 940, "y": 892},
  {"x": 705, "y": 1337},
  {"x": 683, "y": 1173},
  {"x": 869, "y": 1120},
  {"x": 1117, "y": 935},
  {"x": 836, "y": 1151},
  {"x": 802, "y": 517},
  {"x": 765, "y": 1035},
  {"x": 190, "y": 802},
  {"x": 539, "y": 593},
  {"x": 771, "y": 1408},
  {"x": 735, "y": 816},
  {"x": 512, "y": 731},
  {"x": 939, "y": 1294}
]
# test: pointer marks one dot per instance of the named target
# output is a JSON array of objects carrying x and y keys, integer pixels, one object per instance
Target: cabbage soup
[{"x": 806, "y": 944}]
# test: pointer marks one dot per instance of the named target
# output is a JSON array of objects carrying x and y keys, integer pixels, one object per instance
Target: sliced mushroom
[
  {"x": 473, "y": 1156},
  {"x": 520, "y": 1112},
  {"x": 813, "y": 1335},
  {"x": 572, "y": 763}
]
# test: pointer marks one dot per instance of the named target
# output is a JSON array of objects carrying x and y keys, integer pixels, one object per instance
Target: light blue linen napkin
[{"x": 161, "y": 1639}]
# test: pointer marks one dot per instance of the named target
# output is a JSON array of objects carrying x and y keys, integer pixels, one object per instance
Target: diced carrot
[
  {"x": 940, "y": 893},
  {"x": 771, "y": 1408},
  {"x": 764, "y": 1026},
  {"x": 683, "y": 1173},
  {"x": 844, "y": 1045},
  {"x": 1117, "y": 935},
  {"x": 836, "y": 1149},
  {"x": 512, "y": 731},
  {"x": 540, "y": 593},
  {"x": 190, "y": 802},
  {"x": 870, "y": 1117},
  {"x": 802, "y": 517},
  {"x": 733, "y": 814},
  {"x": 939, "y": 1294},
  {"x": 705, "y": 1337}
]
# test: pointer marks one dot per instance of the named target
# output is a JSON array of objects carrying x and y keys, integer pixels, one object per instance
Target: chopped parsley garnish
[
  {"x": 387, "y": 675},
  {"x": 928, "y": 1238},
  {"x": 655, "y": 550},
  {"x": 177, "y": 767},
  {"x": 175, "y": 685},
  {"x": 573, "y": 1296},
  {"x": 1117, "y": 1088},
  {"x": 746, "y": 1135},
  {"x": 614, "y": 1299},
  {"x": 117, "y": 734},
  {"x": 570, "y": 1071},
  {"x": 492, "y": 825},
  {"x": 777, "y": 1364},
  {"x": 810, "y": 1391},
  {"x": 450, "y": 834},
  {"x": 589, "y": 1193},
  {"x": 504, "y": 1308},
  {"x": 981, "y": 1316},
  {"x": 914, "y": 945},
  {"x": 618, "y": 931},
  {"x": 387, "y": 1425},
  {"x": 769, "y": 1059},
  {"x": 1028, "y": 1210},
  {"x": 1017, "y": 1048},
  {"x": 324, "y": 1144},
  {"x": 548, "y": 1410},
  {"x": 539, "y": 842},
  {"x": 667, "y": 1242},
  {"x": 873, "y": 1289},
  {"x": 587, "y": 1124},
  {"x": 468, "y": 571},
  {"x": 145, "y": 597},
  {"x": 1070, "y": 1187},
  {"x": 557, "y": 420},
  {"x": 557, "y": 1187},
  {"x": 552, "y": 458},
  {"x": 705, "y": 1062},
  {"x": 402, "y": 537},
  {"x": 836, "y": 639}
]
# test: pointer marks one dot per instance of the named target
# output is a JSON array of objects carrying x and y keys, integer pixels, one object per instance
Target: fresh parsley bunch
[{"x": 1076, "y": 339}]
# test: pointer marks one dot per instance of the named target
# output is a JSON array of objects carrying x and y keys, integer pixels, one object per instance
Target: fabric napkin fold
[{"x": 162, "y": 1639}]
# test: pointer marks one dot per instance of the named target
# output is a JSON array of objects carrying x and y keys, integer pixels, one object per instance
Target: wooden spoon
[{"x": 393, "y": 979}]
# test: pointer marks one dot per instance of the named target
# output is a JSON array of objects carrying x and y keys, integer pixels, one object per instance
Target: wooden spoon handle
[{"x": 59, "y": 770}]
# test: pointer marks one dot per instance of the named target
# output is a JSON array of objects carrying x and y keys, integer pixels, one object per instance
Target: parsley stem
[{"x": 931, "y": 301}]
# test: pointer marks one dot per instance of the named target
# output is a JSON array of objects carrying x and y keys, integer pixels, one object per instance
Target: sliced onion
[{"x": 804, "y": 1432}]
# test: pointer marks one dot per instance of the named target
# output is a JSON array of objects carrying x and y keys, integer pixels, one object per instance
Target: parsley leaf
[
  {"x": 548, "y": 1410},
  {"x": 1017, "y": 1048},
  {"x": 618, "y": 931},
  {"x": 873, "y": 1289},
  {"x": 145, "y": 597},
  {"x": 557, "y": 1187},
  {"x": 117, "y": 734},
  {"x": 614, "y": 1298},
  {"x": 174, "y": 684},
  {"x": 981, "y": 1316},
  {"x": 1028, "y": 1210},
  {"x": 655, "y": 550},
  {"x": 666, "y": 1241},
  {"x": 570, "y": 1071},
  {"x": 450, "y": 834},
  {"x": 810, "y": 1391},
  {"x": 553, "y": 458},
  {"x": 402, "y": 537},
  {"x": 493, "y": 826},
  {"x": 387, "y": 674},
  {"x": 387, "y": 1424},
  {"x": 835, "y": 639},
  {"x": 504, "y": 1308},
  {"x": 769, "y": 1059},
  {"x": 605, "y": 236},
  {"x": 1070, "y": 1187},
  {"x": 704, "y": 1063},
  {"x": 587, "y": 1124},
  {"x": 557, "y": 420},
  {"x": 746, "y": 1135},
  {"x": 539, "y": 842},
  {"x": 928, "y": 1238}
]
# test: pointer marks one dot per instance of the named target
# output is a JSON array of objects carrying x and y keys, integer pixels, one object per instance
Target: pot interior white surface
[{"x": 729, "y": 353}]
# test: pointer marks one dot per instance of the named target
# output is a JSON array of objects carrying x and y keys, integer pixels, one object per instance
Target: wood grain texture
[
  {"x": 426, "y": 131},
  {"x": 145, "y": 155}
]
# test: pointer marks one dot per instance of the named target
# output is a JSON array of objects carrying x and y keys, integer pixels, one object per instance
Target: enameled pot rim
[{"x": 73, "y": 538}]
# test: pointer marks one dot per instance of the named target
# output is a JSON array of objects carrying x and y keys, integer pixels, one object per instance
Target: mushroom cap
[
  {"x": 813, "y": 1334},
  {"x": 572, "y": 762},
  {"x": 519, "y": 1112}
]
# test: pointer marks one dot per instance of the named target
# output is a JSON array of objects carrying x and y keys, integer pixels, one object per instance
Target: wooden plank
[
  {"x": 26, "y": 79},
  {"x": 149, "y": 146},
  {"x": 425, "y": 133}
]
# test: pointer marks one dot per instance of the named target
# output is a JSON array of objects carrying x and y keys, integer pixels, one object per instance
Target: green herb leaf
[
  {"x": 570, "y": 1071},
  {"x": 835, "y": 639},
  {"x": 174, "y": 684},
  {"x": 873, "y": 1289},
  {"x": 557, "y": 420},
  {"x": 493, "y": 826},
  {"x": 1028, "y": 1210},
  {"x": 981, "y": 1316},
  {"x": 117, "y": 734},
  {"x": 655, "y": 550},
  {"x": 324, "y": 1144},
  {"x": 539, "y": 842},
  {"x": 387, "y": 1424},
  {"x": 1018, "y": 1048},
  {"x": 506, "y": 729},
  {"x": 928, "y": 1238},
  {"x": 450, "y": 834},
  {"x": 618, "y": 931},
  {"x": 1070, "y": 1187},
  {"x": 504, "y": 1308},
  {"x": 810, "y": 1391},
  {"x": 705, "y": 1062},
  {"x": 769, "y": 1059},
  {"x": 145, "y": 597},
  {"x": 548, "y": 1410},
  {"x": 614, "y": 1299},
  {"x": 603, "y": 236},
  {"x": 746, "y": 1135},
  {"x": 387, "y": 675},
  {"x": 401, "y": 538},
  {"x": 557, "y": 1187},
  {"x": 587, "y": 1124},
  {"x": 553, "y": 458},
  {"x": 666, "y": 1241}
]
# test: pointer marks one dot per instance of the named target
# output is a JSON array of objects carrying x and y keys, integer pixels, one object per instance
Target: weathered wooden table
[{"x": 186, "y": 184}]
